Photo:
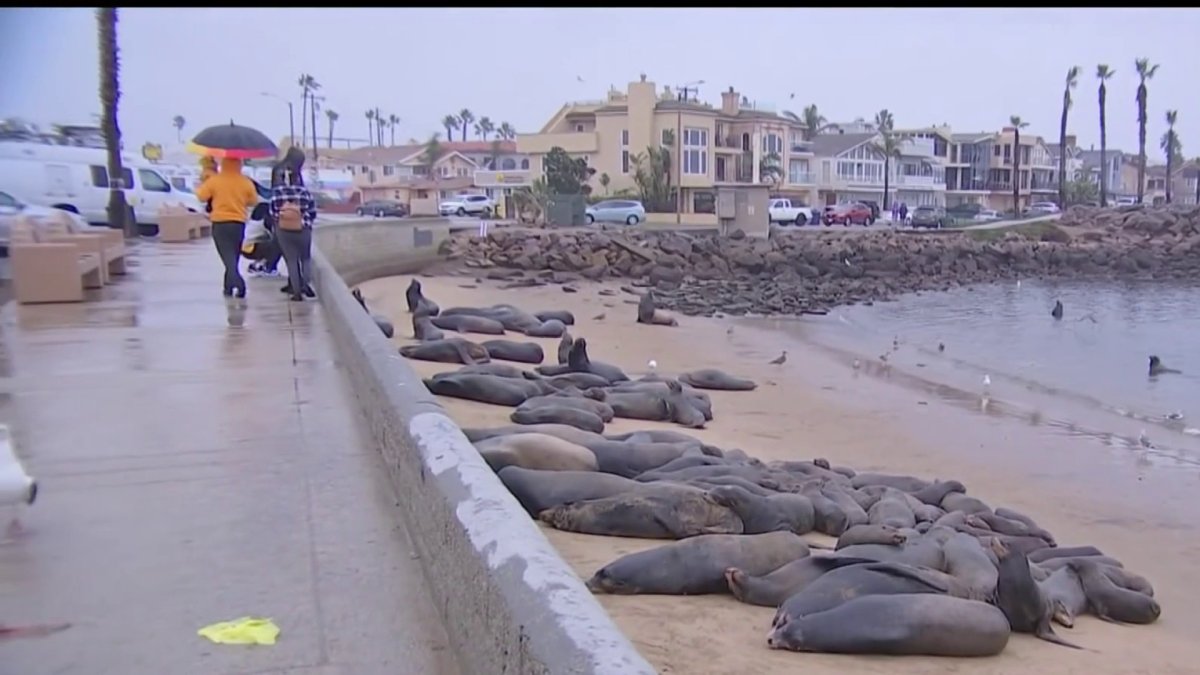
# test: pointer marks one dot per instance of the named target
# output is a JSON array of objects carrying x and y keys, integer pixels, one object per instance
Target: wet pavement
[{"x": 199, "y": 460}]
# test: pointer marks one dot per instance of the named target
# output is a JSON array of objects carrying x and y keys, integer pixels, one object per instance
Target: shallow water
[{"x": 1085, "y": 374}]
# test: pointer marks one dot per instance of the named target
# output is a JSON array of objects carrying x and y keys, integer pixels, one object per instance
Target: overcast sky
[{"x": 970, "y": 68}]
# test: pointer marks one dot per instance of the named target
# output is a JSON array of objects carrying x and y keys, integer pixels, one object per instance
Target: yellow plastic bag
[{"x": 247, "y": 630}]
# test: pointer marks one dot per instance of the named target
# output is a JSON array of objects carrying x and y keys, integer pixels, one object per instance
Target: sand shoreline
[{"x": 814, "y": 406}]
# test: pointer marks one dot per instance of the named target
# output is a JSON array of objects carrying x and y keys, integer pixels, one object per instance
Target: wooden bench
[
  {"x": 109, "y": 244},
  {"x": 52, "y": 268},
  {"x": 176, "y": 224}
]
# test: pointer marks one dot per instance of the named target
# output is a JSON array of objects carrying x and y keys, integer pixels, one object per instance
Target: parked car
[
  {"x": 462, "y": 205},
  {"x": 382, "y": 208},
  {"x": 785, "y": 211},
  {"x": 1043, "y": 208},
  {"x": 628, "y": 211},
  {"x": 848, "y": 214},
  {"x": 933, "y": 217},
  {"x": 874, "y": 208},
  {"x": 987, "y": 214}
]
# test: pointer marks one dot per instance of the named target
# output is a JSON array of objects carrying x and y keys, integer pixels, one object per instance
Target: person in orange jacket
[{"x": 231, "y": 195}]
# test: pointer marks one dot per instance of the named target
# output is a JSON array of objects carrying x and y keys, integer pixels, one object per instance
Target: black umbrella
[{"x": 233, "y": 141}]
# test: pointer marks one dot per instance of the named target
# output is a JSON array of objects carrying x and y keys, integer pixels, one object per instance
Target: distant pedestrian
[
  {"x": 294, "y": 211},
  {"x": 903, "y": 212},
  {"x": 895, "y": 212},
  {"x": 231, "y": 195}
]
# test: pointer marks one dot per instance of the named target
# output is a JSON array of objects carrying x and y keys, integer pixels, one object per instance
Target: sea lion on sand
[
  {"x": 1063, "y": 552},
  {"x": 563, "y": 431},
  {"x": 662, "y": 388},
  {"x": 631, "y": 458},
  {"x": 649, "y": 314},
  {"x": 855, "y": 515},
  {"x": 583, "y": 419},
  {"x": 923, "y": 551},
  {"x": 776, "y": 513},
  {"x": 598, "y": 407},
  {"x": 1058, "y": 563},
  {"x": 837, "y": 586},
  {"x": 1020, "y": 597},
  {"x": 497, "y": 369},
  {"x": 647, "y": 514},
  {"x": 891, "y": 510},
  {"x": 665, "y": 436},
  {"x": 423, "y": 328},
  {"x": 1109, "y": 601},
  {"x": 579, "y": 380},
  {"x": 1157, "y": 367},
  {"x": 465, "y": 323},
  {"x": 538, "y": 490},
  {"x": 968, "y": 561},
  {"x": 696, "y": 565},
  {"x": 990, "y": 521},
  {"x": 638, "y": 406},
  {"x": 830, "y": 519},
  {"x": 449, "y": 350},
  {"x": 905, "y": 483},
  {"x": 1126, "y": 579},
  {"x": 734, "y": 481},
  {"x": 1034, "y": 529},
  {"x": 871, "y": 534},
  {"x": 578, "y": 361},
  {"x": 934, "y": 493},
  {"x": 548, "y": 329},
  {"x": 771, "y": 589},
  {"x": 560, "y": 315},
  {"x": 564, "y": 348},
  {"x": 957, "y": 501},
  {"x": 711, "y": 378},
  {"x": 485, "y": 388},
  {"x": 1057, "y": 312},
  {"x": 922, "y": 624},
  {"x": 508, "y": 350},
  {"x": 683, "y": 411},
  {"x": 416, "y": 299},
  {"x": 536, "y": 451},
  {"x": 1065, "y": 594},
  {"x": 512, "y": 318}
]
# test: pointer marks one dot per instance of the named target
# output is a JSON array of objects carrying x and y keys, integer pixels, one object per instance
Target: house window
[
  {"x": 462, "y": 173},
  {"x": 350, "y": 169},
  {"x": 422, "y": 194},
  {"x": 525, "y": 164},
  {"x": 508, "y": 164},
  {"x": 666, "y": 136},
  {"x": 420, "y": 170},
  {"x": 363, "y": 168},
  {"x": 996, "y": 150},
  {"x": 371, "y": 176},
  {"x": 772, "y": 144},
  {"x": 388, "y": 169},
  {"x": 704, "y": 202},
  {"x": 578, "y": 127},
  {"x": 625, "y": 151},
  {"x": 396, "y": 195},
  {"x": 444, "y": 171},
  {"x": 695, "y": 151}
]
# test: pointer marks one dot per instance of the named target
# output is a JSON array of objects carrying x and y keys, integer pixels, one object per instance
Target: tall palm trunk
[
  {"x": 110, "y": 95},
  {"x": 392, "y": 128},
  {"x": 331, "y": 121},
  {"x": 1170, "y": 161},
  {"x": 1016, "y": 174},
  {"x": 1103, "y": 148},
  {"x": 1141, "y": 169},
  {"x": 887, "y": 172},
  {"x": 304, "y": 117},
  {"x": 1062, "y": 151},
  {"x": 312, "y": 110}
]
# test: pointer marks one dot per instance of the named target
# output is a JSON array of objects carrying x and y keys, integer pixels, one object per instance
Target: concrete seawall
[{"x": 509, "y": 603}]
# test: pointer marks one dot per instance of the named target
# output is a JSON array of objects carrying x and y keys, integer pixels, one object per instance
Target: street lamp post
[{"x": 291, "y": 114}]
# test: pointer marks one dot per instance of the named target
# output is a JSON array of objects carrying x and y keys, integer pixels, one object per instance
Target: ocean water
[{"x": 1086, "y": 374}]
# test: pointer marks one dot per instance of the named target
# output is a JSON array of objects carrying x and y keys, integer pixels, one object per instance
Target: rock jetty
[{"x": 811, "y": 270}]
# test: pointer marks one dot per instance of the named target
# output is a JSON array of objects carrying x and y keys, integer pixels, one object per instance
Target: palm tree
[
  {"x": 484, "y": 127},
  {"x": 392, "y": 121},
  {"x": 1017, "y": 126},
  {"x": 814, "y": 122},
  {"x": 312, "y": 111},
  {"x": 465, "y": 118},
  {"x": 429, "y": 158},
  {"x": 1145, "y": 72},
  {"x": 179, "y": 122},
  {"x": 370, "y": 127},
  {"x": 604, "y": 182},
  {"x": 506, "y": 131},
  {"x": 1170, "y": 144},
  {"x": 1072, "y": 80},
  {"x": 306, "y": 82},
  {"x": 110, "y": 95},
  {"x": 450, "y": 122},
  {"x": 888, "y": 144},
  {"x": 1103, "y": 72},
  {"x": 333, "y": 118}
]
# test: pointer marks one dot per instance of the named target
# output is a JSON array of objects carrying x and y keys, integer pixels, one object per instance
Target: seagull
[
  {"x": 1018, "y": 283},
  {"x": 856, "y": 364},
  {"x": 883, "y": 357},
  {"x": 896, "y": 343},
  {"x": 941, "y": 346},
  {"x": 1175, "y": 416},
  {"x": 598, "y": 317},
  {"x": 17, "y": 488},
  {"x": 780, "y": 360},
  {"x": 730, "y": 331},
  {"x": 652, "y": 364},
  {"x": 987, "y": 382},
  {"x": 579, "y": 78},
  {"x": 1144, "y": 440},
  {"x": 792, "y": 95}
]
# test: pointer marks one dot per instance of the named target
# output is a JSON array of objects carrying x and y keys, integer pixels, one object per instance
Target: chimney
[{"x": 729, "y": 102}]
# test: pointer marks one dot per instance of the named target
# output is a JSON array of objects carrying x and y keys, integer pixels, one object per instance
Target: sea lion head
[
  {"x": 822, "y": 463},
  {"x": 596, "y": 394},
  {"x": 603, "y": 582},
  {"x": 674, "y": 386},
  {"x": 414, "y": 285},
  {"x": 998, "y": 547}
]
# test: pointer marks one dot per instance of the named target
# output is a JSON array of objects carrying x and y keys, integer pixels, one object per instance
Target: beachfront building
[
  {"x": 980, "y": 170},
  {"x": 737, "y": 143},
  {"x": 1183, "y": 184},
  {"x": 851, "y": 167}
]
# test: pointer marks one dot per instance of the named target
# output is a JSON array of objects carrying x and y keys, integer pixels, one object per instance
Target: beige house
[
  {"x": 851, "y": 167},
  {"x": 729, "y": 145},
  {"x": 404, "y": 173},
  {"x": 980, "y": 170},
  {"x": 1183, "y": 184}
]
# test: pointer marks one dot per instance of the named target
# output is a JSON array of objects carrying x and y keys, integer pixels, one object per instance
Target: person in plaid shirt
[{"x": 294, "y": 210}]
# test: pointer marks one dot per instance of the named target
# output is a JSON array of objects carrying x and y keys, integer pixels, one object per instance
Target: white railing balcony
[
  {"x": 920, "y": 181},
  {"x": 860, "y": 180},
  {"x": 801, "y": 178}
]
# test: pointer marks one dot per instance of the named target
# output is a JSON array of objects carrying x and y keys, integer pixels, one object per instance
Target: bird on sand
[
  {"x": 1144, "y": 440},
  {"x": 780, "y": 359},
  {"x": 17, "y": 488},
  {"x": 598, "y": 317},
  {"x": 652, "y": 364},
  {"x": 896, "y": 343},
  {"x": 857, "y": 364},
  {"x": 941, "y": 346},
  {"x": 1057, "y": 312},
  {"x": 987, "y": 382},
  {"x": 730, "y": 331}
]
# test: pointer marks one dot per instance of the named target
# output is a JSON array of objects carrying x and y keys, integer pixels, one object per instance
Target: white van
[{"x": 76, "y": 179}]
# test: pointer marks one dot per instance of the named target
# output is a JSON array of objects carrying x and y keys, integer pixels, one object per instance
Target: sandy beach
[{"x": 818, "y": 406}]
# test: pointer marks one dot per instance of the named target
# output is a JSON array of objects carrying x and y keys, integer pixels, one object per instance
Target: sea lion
[
  {"x": 508, "y": 350},
  {"x": 633, "y": 458},
  {"x": 581, "y": 381},
  {"x": 1128, "y": 580},
  {"x": 509, "y": 316},
  {"x": 583, "y": 419},
  {"x": 698, "y": 399},
  {"x": 591, "y": 405},
  {"x": 1034, "y": 528},
  {"x": 564, "y": 348},
  {"x": 923, "y": 624},
  {"x": 465, "y": 323},
  {"x": 830, "y": 519},
  {"x": 696, "y": 565},
  {"x": 905, "y": 483},
  {"x": 923, "y": 551},
  {"x": 547, "y": 329},
  {"x": 871, "y": 534},
  {"x": 776, "y": 513},
  {"x": 724, "y": 481},
  {"x": 646, "y": 514},
  {"x": 771, "y": 589},
  {"x": 1058, "y": 563},
  {"x": 536, "y": 451},
  {"x": 638, "y": 406},
  {"x": 578, "y": 361},
  {"x": 1065, "y": 594},
  {"x": 1109, "y": 601},
  {"x": 485, "y": 388},
  {"x": 682, "y": 410},
  {"x": 449, "y": 350},
  {"x": 1057, "y": 312},
  {"x": 855, "y": 515},
  {"x": 891, "y": 510},
  {"x": 1157, "y": 367},
  {"x": 416, "y": 298},
  {"x": 1020, "y": 597},
  {"x": 563, "y": 431},
  {"x": 967, "y": 561},
  {"x": 837, "y": 586},
  {"x": 934, "y": 493},
  {"x": 1000, "y": 524},
  {"x": 423, "y": 328},
  {"x": 1063, "y": 552},
  {"x": 381, "y": 322},
  {"x": 538, "y": 490},
  {"x": 711, "y": 378},
  {"x": 648, "y": 313},
  {"x": 497, "y": 369},
  {"x": 561, "y": 315},
  {"x": 957, "y": 501}
]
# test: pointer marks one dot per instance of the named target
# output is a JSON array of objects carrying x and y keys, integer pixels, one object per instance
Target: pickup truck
[{"x": 782, "y": 211}]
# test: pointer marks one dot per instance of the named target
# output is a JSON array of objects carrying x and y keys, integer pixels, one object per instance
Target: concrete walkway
[{"x": 199, "y": 461}]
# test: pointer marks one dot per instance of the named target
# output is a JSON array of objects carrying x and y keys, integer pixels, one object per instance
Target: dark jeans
[
  {"x": 297, "y": 252},
  {"x": 227, "y": 237}
]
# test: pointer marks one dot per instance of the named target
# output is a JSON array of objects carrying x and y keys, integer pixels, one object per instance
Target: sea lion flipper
[
  {"x": 909, "y": 572},
  {"x": 1046, "y": 632}
]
